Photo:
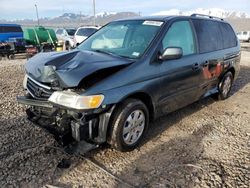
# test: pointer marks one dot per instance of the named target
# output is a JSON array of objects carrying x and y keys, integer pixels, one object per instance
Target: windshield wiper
[
  {"x": 104, "y": 52},
  {"x": 112, "y": 54}
]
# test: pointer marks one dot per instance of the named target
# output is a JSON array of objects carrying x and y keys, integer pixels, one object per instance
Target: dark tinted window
[
  {"x": 86, "y": 31},
  {"x": 71, "y": 32},
  {"x": 229, "y": 38},
  {"x": 209, "y": 35},
  {"x": 10, "y": 29}
]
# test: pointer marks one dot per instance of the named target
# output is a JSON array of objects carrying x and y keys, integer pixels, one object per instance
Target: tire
[
  {"x": 11, "y": 56},
  {"x": 123, "y": 134},
  {"x": 225, "y": 86}
]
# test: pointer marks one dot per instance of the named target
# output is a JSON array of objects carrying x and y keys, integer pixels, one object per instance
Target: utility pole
[
  {"x": 37, "y": 15},
  {"x": 94, "y": 12},
  {"x": 80, "y": 19}
]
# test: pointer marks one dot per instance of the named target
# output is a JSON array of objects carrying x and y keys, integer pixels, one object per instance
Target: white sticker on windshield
[
  {"x": 154, "y": 23},
  {"x": 135, "y": 54}
]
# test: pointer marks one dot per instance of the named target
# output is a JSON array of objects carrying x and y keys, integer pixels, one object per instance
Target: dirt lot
[{"x": 203, "y": 145}]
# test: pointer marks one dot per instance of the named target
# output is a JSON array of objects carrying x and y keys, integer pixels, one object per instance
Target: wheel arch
[
  {"x": 142, "y": 96},
  {"x": 146, "y": 99}
]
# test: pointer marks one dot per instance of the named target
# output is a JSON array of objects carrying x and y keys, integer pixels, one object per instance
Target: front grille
[{"x": 37, "y": 90}]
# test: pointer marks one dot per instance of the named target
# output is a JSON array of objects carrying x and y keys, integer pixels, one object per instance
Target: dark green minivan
[{"x": 128, "y": 73}]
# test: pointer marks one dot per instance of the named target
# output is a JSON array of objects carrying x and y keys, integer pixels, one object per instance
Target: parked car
[
  {"x": 66, "y": 35},
  {"x": 129, "y": 73},
  {"x": 244, "y": 36},
  {"x": 82, "y": 33}
]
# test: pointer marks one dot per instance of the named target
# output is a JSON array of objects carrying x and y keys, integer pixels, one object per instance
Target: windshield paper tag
[{"x": 154, "y": 23}]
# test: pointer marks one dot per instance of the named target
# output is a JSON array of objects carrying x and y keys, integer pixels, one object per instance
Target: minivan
[{"x": 127, "y": 74}]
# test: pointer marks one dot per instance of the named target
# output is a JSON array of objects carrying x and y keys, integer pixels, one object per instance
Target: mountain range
[
  {"x": 75, "y": 20},
  {"x": 240, "y": 20},
  {"x": 221, "y": 13}
]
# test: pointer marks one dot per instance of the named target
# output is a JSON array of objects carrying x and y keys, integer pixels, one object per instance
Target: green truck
[{"x": 39, "y": 39}]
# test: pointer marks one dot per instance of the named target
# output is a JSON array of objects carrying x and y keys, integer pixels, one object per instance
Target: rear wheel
[
  {"x": 225, "y": 86},
  {"x": 128, "y": 125}
]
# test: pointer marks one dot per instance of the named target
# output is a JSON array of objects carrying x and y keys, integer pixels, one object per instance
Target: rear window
[
  {"x": 71, "y": 32},
  {"x": 244, "y": 33},
  {"x": 86, "y": 31},
  {"x": 10, "y": 29},
  {"x": 213, "y": 35}
]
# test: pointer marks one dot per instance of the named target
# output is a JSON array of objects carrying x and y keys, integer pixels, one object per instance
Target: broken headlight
[{"x": 73, "y": 100}]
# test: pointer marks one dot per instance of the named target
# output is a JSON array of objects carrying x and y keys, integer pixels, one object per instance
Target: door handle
[
  {"x": 195, "y": 66},
  {"x": 205, "y": 64}
]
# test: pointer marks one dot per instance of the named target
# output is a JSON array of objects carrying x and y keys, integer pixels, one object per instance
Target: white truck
[{"x": 244, "y": 36}]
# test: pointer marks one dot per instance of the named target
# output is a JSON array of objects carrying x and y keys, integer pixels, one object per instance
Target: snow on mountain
[
  {"x": 212, "y": 12},
  {"x": 102, "y": 14}
]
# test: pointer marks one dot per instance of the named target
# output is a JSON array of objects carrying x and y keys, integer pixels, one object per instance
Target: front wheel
[
  {"x": 225, "y": 86},
  {"x": 128, "y": 125}
]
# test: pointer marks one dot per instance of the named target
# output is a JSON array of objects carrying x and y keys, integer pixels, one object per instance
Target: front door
[{"x": 180, "y": 77}]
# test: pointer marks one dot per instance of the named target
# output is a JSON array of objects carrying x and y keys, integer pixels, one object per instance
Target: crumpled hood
[{"x": 69, "y": 67}]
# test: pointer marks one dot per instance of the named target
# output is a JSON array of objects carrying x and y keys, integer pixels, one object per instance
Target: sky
[{"x": 22, "y": 9}]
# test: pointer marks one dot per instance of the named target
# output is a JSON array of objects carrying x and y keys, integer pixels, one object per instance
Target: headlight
[
  {"x": 75, "y": 101},
  {"x": 25, "y": 81}
]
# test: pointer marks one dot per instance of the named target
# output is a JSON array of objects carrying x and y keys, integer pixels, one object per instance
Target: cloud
[{"x": 48, "y": 8}]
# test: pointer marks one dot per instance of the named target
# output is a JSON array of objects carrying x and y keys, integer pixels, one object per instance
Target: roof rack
[{"x": 203, "y": 15}]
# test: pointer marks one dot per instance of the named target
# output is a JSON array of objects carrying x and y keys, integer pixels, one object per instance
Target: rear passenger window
[
  {"x": 209, "y": 35},
  {"x": 180, "y": 34},
  {"x": 229, "y": 38}
]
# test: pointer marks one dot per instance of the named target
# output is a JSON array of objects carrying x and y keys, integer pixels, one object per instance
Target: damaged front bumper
[{"x": 68, "y": 125}]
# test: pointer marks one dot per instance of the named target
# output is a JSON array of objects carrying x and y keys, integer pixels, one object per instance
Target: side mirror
[{"x": 171, "y": 53}]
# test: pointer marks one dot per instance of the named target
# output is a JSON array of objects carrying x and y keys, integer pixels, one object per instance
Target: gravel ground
[{"x": 203, "y": 145}]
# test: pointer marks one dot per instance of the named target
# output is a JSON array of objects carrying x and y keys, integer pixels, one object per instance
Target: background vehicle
[
  {"x": 11, "y": 40},
  {"x": 8, "y": 31},
  {"x": 66, "y": 35},
  {"x": 39, "y": 39},
  {"x": 82, "y": 33},
  {"x": 244, "y": 36},
  {"x": 128, "y": 73}
]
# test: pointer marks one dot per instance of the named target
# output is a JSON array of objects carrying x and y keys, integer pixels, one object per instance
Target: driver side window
[{"x": 180, "y": 34}]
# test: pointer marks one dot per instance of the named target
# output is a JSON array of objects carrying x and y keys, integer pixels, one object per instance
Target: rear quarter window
[
  {"x": 228, "y": 35},
  {"x": 214, "y": 35}
]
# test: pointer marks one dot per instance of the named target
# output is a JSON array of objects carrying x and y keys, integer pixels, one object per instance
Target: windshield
[
  {"x": 71, "y": 32},
  {"x": 124, "y": 38}
]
